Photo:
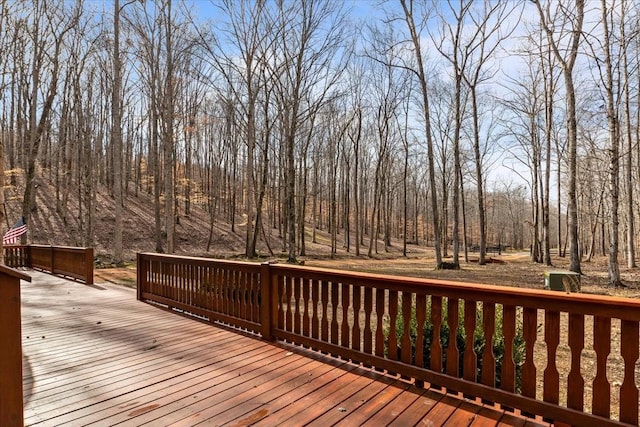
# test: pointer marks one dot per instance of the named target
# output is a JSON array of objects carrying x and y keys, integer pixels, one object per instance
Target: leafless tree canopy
[{"x": 458, "y": 125}]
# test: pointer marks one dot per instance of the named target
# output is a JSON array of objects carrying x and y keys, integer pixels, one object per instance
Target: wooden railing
[
  {"x": 390, "y": 323},
  {"x": 76, "y": 263}
]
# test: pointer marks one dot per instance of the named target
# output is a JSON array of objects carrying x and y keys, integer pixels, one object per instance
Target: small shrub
[{"x": 479, "y": 341}]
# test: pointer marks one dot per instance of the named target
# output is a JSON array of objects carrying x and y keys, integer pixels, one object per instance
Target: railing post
[
  {"x": 88, "y": 266},
  {"x": 141, "y": 270},
  {"x": 53, "y": 260},
  {"x": 11, "y": 403},
  {"x": 266, "y": 305}
]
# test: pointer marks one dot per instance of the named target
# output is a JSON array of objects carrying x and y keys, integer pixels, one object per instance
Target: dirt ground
[{"x": 510, "y": 269}]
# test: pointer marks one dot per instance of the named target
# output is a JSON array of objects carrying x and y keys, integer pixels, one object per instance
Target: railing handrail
[
  {"x": 308, "y": 306},
  {"x": 622, "y": 308}
]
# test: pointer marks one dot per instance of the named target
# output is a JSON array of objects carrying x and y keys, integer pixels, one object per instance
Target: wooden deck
[{"x": 92, "y": 354}]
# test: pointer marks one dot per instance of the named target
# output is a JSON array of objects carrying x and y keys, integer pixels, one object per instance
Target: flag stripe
[{"x": 12, "y": 235}]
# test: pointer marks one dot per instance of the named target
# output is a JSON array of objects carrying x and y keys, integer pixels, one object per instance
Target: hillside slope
[{"x": 47, "y": 225}]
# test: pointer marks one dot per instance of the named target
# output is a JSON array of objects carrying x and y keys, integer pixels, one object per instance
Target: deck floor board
[{"x": 93, "y": 355}]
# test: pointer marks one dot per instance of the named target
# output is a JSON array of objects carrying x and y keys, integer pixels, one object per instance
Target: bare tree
[
  {"x": 611, "y": 94},
  {"x": 48, "y": 29},
  {"x": 566, "y": 56},
  {"x": 415, "y": 33},
  {"x": 311, "y": 56},
  {"x": 489, "y": 32}
]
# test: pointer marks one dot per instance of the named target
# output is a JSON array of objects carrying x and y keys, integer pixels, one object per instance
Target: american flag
[{"x": 11, "y": 236}]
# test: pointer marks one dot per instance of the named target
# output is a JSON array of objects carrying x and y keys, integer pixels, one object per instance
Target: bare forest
[{"x": 267, "y": 128}]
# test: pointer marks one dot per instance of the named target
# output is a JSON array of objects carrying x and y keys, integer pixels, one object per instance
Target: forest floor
[{"x": 509, "y": 269}]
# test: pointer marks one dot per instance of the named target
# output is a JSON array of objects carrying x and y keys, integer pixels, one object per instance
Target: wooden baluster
[
  {"x": 508, "y": 375},
  {"x": 575, "y": 382},
  {"x": 188, "y": 268},
  {"x": 368, "y": 307},
  {"x": 436, "y": 345},
  {"x": 247, "y": 303},
  {"x": 297, "y": 283},
  {"x": 177, "y": 282},
  {"x": 248, "y": 295},
  {"x": 237, "y": 293},
  {"x": 213, "y": 286},
  {"x": 177, "y": 277},
  {"x": 229, "y": 291},
  {"x": 222, "y": 291},
  {"x": 164, "y": 279},
  {"x": 406, "y": 333},
  {"x": 192, "y": 290},
  {"x": 193, "y": 285},
  {"x": 602, "y": 347},
  {"x": 393, "y": 317},
  {"x": 202, "y": 279},
  {"x": 166, "y": 286},
  {"x": 257, "y": 297},
  {"x": 172, "y": 282},
  {"x": 629, "y": 349},
  {"x": 204, "y": 286},
  {"x": 421, "y": 314},
  {"x": 315, "y": 300},
  {"x": 217, "y": 273},
  {"x": 470, "y": 362},
  {"x": 222, "y": 295},
  {"x": 380, "y": 306},
  {"x": 219, "y": 290},
  {"x": 551, "y": 390},
  {"x": 282, "y": 306},
  {"x": 244, "y": 295},
  {"x": 158, "y": 278},
  {"x": 187, "y": 284},
  {"x": 530, "y": 334},
  {"x": 288, "y": 318},
  {"x": 306, "y": 320},
  {"x": 344, "y": 327},
  {"x": 334, "y": 313},
  {"x": 355, "y": 331},
  {"x": 211, "y": 277},
  {"x": 182, "y": 279},
  {"x": 488, "y": 359},
  {"x": 197, "y": 286},
  {"x": 173, "y": 277},
  {"x": 453, "y": 354},
  {"x": 239, "y": 300},
  {"x": 324, "y": 336}
]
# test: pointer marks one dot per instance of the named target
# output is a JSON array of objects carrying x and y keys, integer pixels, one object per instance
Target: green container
[{"x": 567, "y": 281}]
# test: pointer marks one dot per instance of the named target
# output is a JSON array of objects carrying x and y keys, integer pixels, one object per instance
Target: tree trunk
[
  {"x": 614, "y": 152},
  {"x": 116, "y": 136},
  {"x": 422, "y": 77}
]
